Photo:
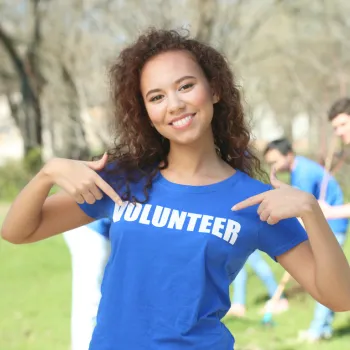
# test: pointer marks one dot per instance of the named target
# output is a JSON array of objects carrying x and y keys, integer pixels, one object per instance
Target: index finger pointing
[
  {"x": 249, "y": 202},
  {"x": 108, "y": 190},
  {"x": 273, "y": 179}
]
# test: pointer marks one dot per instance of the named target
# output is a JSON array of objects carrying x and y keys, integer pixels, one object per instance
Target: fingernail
[{"x": 234, "y": 207}]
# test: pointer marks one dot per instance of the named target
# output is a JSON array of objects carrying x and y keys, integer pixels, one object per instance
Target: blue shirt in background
[
  {"x": 101, "y": 226},
  {"x": 308, "y": 175},
  {"x": 166, "y": 285}
]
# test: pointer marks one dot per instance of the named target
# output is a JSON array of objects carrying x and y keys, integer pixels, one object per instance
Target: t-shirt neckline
[{"x": 217, "y": 186}]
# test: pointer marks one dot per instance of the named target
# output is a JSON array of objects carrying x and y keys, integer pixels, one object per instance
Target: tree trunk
[
  {"x": 75, "y": 145},
  {"x": 208, "y": 9},
  {"x": 30, "y": 121}
]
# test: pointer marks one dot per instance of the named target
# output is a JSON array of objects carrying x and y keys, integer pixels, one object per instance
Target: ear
[
  {"x": 216, "y": 98},
  {"x": 215, "y": 95}
]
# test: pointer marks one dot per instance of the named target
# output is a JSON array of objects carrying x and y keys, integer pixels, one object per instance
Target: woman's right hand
[{"x": 80, "y": 180}]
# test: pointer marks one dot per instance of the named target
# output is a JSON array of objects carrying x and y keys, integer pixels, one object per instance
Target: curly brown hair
[{"x": 139, "y": 150}]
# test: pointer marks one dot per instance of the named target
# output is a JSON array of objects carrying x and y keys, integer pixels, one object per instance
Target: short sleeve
[
  {"x": 281, "y": 237},
  {"x": 102, "y": 208}
]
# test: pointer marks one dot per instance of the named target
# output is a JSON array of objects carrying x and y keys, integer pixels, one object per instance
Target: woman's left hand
[{"x": 282, "y": 202}]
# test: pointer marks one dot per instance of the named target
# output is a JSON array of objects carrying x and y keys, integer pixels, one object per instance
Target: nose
[{"x": 175, "y": 103}]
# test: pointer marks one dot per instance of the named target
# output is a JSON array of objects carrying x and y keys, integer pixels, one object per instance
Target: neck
[{"x": 194, "y": 159}]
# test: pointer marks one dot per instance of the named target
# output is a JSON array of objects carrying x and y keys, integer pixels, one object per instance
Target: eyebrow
[{"x": 178, "y": 81}]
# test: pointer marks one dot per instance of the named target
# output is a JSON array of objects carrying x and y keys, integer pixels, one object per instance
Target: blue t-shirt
[
  {"x": 166, "y": 285},
  {"x": 308, "y": 175},
  {"x": 100, "y": 226}
]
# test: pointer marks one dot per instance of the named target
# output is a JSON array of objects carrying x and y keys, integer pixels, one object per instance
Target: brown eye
[
  {"x": 186, "y": 86},
  {"x": 156, "y": 98}
]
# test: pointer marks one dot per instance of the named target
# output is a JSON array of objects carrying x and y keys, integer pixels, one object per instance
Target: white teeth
[{"x": 182, "y": 121}]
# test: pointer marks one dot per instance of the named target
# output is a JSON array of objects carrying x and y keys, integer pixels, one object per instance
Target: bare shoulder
[{"x": 60, "y": 213}]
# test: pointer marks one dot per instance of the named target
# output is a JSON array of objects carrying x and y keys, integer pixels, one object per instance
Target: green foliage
[
  {"x": 13, "y": 177},
  {"x": 33, "y": 160}
]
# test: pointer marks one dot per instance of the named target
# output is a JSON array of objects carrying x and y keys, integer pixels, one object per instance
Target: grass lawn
[{"x": 35, "y": 305}]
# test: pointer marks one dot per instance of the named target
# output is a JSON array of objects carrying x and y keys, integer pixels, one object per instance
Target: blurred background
[{"x": 291, "y": 58}]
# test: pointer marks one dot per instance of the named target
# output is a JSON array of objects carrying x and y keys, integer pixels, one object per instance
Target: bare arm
[
  {"x": 320, "y": 265},
  {"x": 34, "y": 216},
  {"x": 338, "y": 211}
]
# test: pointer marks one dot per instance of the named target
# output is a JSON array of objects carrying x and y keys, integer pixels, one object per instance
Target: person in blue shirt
[
  {"x": 339, "y": 117},
  {"x": 181, "y": 188},
  {"x": 89, "y": 248},
  {"x": 310, "y": 176}
]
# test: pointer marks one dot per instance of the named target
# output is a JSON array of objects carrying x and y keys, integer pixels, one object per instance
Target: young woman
[{"x": 186, "y": 210}]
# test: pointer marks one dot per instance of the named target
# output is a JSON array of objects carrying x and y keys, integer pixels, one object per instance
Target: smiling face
[
  {"x": 178, "y": 97},
  {"x": 341, "y": 127}
]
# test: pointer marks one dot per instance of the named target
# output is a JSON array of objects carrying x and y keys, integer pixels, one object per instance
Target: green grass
[{"x": 35, "y": 305}]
